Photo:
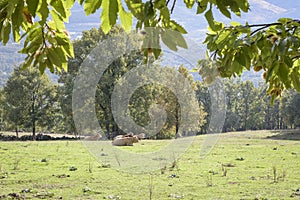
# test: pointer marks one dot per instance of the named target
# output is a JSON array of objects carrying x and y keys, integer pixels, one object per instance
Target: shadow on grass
[{"x": 285, "y": 135}]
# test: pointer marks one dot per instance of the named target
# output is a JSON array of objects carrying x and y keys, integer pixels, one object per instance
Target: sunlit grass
[{"x": 240, "y": 166}]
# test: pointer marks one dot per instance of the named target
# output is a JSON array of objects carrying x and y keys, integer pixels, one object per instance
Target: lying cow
[
  {"x": 141, "y": 136},
  {"x": 125, "y": 140},
  {"x": 135, "y": 139}
]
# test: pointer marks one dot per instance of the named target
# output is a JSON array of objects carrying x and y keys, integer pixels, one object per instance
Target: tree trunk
[
  {"x": 17, "y": 132},
  {"x": 33, "y": 118},
  {"x": 177, "y": 121},
  {"x": 268, "y": 118},
  {"x": 33, "y": 129}
]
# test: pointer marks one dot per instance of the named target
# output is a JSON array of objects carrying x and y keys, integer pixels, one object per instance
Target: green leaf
[
  {"x": 27, "y": 62},
  {"x": 160, "y": 4},
  {"x": 69, "y": 3},
  {"x": 167, "y": 40},
  {"x": 165, "y": 14},
  {"x": 59, "y": 8},
  {"x": 175, "y": 26},
  {"x": 139, "y": 25},
  {"x": 54, "y": 57},
  {"x": 194, "y": 70},
  {"x": 283, "y": 72},
  {"x": 235, "y": 24},
  {"x": 16, "y": 34},
  {"x": 210, "y": 19},
  {"x": 272, "y": 69},
  {"x": 137, "y": 9},
  {"x": 64, "y": 66},
  {"x": 61, "y": 54},
  {"x": 172, "y": 39},
  {"x": 11, "y": 7},
  {"x": 223, "y": 35},
  {"x": 240, "y": 58},
  {"x": 61, "y": 39},
  {"x": 149, "y": 10},
  {"x": 50, "y": 66},
  {"x": 3, "y": 4},
  {"x": 43, "y": 10},
  {"x": 125, "y": 17},
  {"x": 69, "y": 49},
  {"x": 17, "y": 19},
  {"x": 215, "y": 26},
  {"x": 222, "y": 8},
  {"x": 91, "y": 6},
  {"x": 156, "y": 53},
  {"x": 189, "y": 3},
  {"x": 236, "y": 67},
  {"x": 32, "y": 6},
  {"x": 109, "y": 15},
  {"x": 34, "y": 46},
  {"x": 66, "y": 44},
  {"x": 58, "y": 21},
  {"x": 235, "y": 8},
  {"x": 295, "y": 79},
  {"x": 5, "y": 32},
  {"x": 34, "y": 33},
  {"x": 284, "y": 20},
  {"x": 247, "y": 61},
  {"x": 243, "y": 5},
  {"x": 42, "y": 67},
  {"x": 202, "y": 5},
  {"x": 283, "y": 46}
]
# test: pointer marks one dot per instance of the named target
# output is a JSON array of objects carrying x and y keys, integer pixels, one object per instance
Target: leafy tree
[
  {"x": 117, "y": 69},
  {"x": 232, "y": 121},
  {"x": 203, "y": 97},
  {"x": 272, "y": 47},
  {"x": 29, "y": 100},
  {"x": 247, "y": 107},
  {"x": 159, "y": 94},
  {"x": 290, "y": 109},
  {"x": 82, "y": 47},
  {"x": 2, "y": 124},
  {"x": 141, "y": 100},
  {"x": 247, "y": 96},
  {"x": 106, "y": 86}
]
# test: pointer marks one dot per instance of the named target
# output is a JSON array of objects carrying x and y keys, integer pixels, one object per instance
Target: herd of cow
[{"x": 127, "y": 140}]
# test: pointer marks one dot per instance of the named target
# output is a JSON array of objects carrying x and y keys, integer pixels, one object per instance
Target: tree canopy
[
  {"x": 29, "y": 101},
  {"x": 233, "y": 48}
]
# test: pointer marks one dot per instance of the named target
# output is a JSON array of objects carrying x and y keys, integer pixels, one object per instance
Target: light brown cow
[
  {"x": 123, "y": 141},
  {"x": 135, "y": 139},
  {"x": 93, "y": 137},
  {"x": 141, "y": 136}
]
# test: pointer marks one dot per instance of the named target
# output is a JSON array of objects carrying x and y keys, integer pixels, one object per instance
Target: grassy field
[{"x": 242, "y": 165}]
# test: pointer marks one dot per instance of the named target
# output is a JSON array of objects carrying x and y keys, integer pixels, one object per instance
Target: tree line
[
  {"x": 249, "y": 108},
  {"x": 31, "y": 102}
]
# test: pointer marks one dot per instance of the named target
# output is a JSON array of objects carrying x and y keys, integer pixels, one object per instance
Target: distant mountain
[
  {"x": 79, "y": 22},
  {"x": 262, "y": 11},
  {"x": 9, "y": 58}
]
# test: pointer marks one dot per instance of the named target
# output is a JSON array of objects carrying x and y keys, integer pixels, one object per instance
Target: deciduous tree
[{"x": 29, "y": 100}]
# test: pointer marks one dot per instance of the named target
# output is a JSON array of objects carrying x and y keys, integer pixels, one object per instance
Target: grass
[{"x": 242, "y": 165}]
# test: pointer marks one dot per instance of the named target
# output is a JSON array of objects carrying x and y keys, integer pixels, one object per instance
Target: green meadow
[{"x": 242, "y": 165}]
